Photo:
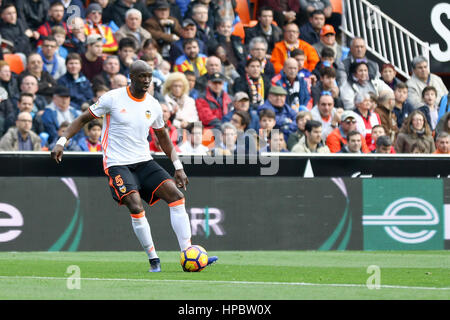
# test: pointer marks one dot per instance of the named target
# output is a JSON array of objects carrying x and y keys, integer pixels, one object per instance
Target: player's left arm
[{"x": 181, "y": 179}]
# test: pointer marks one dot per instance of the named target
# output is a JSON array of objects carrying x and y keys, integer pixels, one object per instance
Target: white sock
[
  {"x": 180, "y": 223},
  {"x": 142, "y": 230}
]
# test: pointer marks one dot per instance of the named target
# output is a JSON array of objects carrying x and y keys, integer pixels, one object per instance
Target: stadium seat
[
  {"x": 243, "y": 11},
  {"x": 15, "y": 62},
  {"x": 208, "y": 138},
  {"x": 239, "y": 31},
  {"x": 336, "y": 5}
]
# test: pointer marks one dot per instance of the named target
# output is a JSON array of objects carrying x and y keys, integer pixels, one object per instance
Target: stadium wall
[{"x": 68, "y": 207}]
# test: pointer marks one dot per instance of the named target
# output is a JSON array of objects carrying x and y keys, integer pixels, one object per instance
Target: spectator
[
  {"x": 58, "y": 111},
  {"x": 327, "y": 83},
  {"x": 326, "y": 113},
  {"x": 26, "y": 104},
  {"x": 181, "y": 106},
  {"x": 192, "y": 59},
  {"x": 421, "y": 78},
  {"x": 310, "y": 31},
  {"x": 226, "y": 145},
  {"x": 357, "y": 53},
  {"x": 35, "y": 67},
  {"x": 212, "y": 65},
  {"x": 418, "y": 147},
  {"x": 290, "y": 42},
  {"x": 127, "y": 55},
  {"x": 79, "y": 86},
  {"x": 188, "y": 31},
  {"x": 8, "y": 80},
  {"x": 54, "y": 64},
  {"x": 443, "y": 124},
  {"x": 171, "y": 131},
  {"x": 94, "y": 25},
  {"x": 360, "y": 82},
  {"x": 245, "y": 142},
  {"x": 264, "y": 29},
  {"x": 328, "y": 40},
  {"x": 388, "y": 75},
  {"x": 285, "y": 11},
  {"x": 327, "y": 60},
  {"x": 132, "y": 28},
  {"x": 15, "y": 30},
  {"x": 384, "y": 145},
  {"x": 76, "y": 40},
  {"x": 72, "y": 144},
  {"x": 267, "y": 121},
  {"x": 311, "y": 142},
  {"x": 30, "y": 85},
  {"x": 442, "y": 143},
  {"x": 354, "y": 144},
  {"x": 92, "y": 61},
  {"x": 337, "y": 139},
  {"x": 430, "y": 109},
  {"x": 33, "y": 12},
  {"x": 60, "y": 35},
  {"x": 258, "y": 49},
  {"x": 55, "y": 18},
  {"x": 118, "y": 81},
  {"x": 214, "y": 103},
  {"x": 241, "y": 102},
  {"x": 194, "y": 145},
  {"x": 111, "y": 67},
  {"x": 301, "y": 118},
  {"x": 6, "y": 111},
  {"x": 386, "y": 103},
  {"x": 377, "y": 131},
  {"x": 285, "y": 115},
  {"x": 402, "y": 107},
  {"x": 277, "y": 143},
  {"x": 309, "y": 6},
  {"x": 80, "y": 11},
  {"x": 21, "y": 137},
  {"x": 365, "y": 119},
  {"x": 163, "y": 28},
  {"x": 192, "y": 79},
  {"x": 228, "y": 69},
  {"x": 253, "y": 83},
  {"x": 296, "y": 87},
  {"x": 116, "y": 11},
  {"x": 92, "y": 142},
  {"x": 205, "y": 26},
  {"x": 415, "y": 128}
]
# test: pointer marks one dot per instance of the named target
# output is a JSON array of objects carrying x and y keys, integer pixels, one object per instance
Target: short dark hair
[
  {"x": 49, "y": 38},
  {"x": 267, "y": 113},
  {"x": 352, "y": 133},
  {"x": 245, "y": 117},
  {"x": 428, "y": 88},
  {"x": 264, "y": 8},
  {"x": 189, "y": 73},
  {"x": 317, "y": 11},
  {"x": 377, "y": 126},
  {"x": 252, "y": 59},
  {"x": 383, "y": 141},
  {"x": 190, "y": 127},
  {"x": 297, "y": 52},
  {"x": 94, "y": 123},
  {"x": 327, "y": 53},
  {"x": 312, "y": 124},
  {"x": 26, "y": 94},
  {"x": 6, "y": 6},
  {"x": 400, "y": 85},
  {"x": 127, "y": 43},
  {"x": 189, "y": 41},
  {"x": 73, "y": 56},
  {"x": 56, "y": 3},
  {"x": 327, "y": 71}
]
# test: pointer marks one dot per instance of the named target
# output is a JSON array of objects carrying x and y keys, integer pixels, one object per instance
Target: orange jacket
[
  {"x": 280, "y": 54},
  {"x": 335, "y": 142},
  {"x": 109, "y": 41}
]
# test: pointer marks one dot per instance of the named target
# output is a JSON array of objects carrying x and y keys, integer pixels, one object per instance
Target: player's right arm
[{"x": 74, "y": 127}]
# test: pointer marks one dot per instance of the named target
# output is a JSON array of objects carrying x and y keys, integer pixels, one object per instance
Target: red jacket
[{"x": 210, "y": 111}]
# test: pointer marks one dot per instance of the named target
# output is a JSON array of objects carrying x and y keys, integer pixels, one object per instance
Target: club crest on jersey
[
  {"x": 148, "y": 114},
  {"x": 123, "y": 189}
]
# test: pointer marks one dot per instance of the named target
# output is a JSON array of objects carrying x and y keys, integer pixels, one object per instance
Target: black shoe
[{"x": 155, "y": 265}]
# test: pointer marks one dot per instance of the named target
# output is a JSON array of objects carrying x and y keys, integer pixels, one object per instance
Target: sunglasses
[{"x": 350, "y": 121}]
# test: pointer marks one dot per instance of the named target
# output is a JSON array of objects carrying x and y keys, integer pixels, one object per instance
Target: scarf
[
  {"x": 256, "y": 90},
  {"x": 54, "y": 63},
  {"x": 290, "y": 48}
]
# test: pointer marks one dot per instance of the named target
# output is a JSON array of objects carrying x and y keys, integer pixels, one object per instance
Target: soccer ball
[{"x": 194, "y": 259}]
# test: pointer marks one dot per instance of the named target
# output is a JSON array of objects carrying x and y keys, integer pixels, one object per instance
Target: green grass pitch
[{"x": 238, "y": 275}]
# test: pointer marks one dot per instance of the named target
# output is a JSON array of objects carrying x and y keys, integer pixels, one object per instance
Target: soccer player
[{"x": 129, "y": 112}]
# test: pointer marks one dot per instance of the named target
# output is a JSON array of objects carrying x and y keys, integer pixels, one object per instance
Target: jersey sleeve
[
  {"x": 102, "y": 106},
  {"x": 159, "y": 121}
]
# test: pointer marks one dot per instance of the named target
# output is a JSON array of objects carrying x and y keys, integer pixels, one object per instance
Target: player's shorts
[{"x": 143, "y": 177}]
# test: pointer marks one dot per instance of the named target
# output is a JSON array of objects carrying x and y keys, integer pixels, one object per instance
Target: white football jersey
[{"x": 126, "y": 124}]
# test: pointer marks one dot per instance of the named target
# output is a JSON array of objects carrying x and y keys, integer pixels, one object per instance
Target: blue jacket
[
  {"x": 308, "y": 34},
  {"x": 51, "y": 124},
  {"x": 80, "y": 89},
  {"x": 284, "y": 118},
  {"x": 254, "y": 119},
  {"x": 301, "y": 97}
]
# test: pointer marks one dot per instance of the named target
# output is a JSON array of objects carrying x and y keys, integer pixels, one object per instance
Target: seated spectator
[
  {"x": 192, "y": 59},
  {"x": 377, "y": 131},
  {"x": 200, "y": 13},
  {"x": 296, "y": 87},
  {"x": 384, "y": 109},
  {"x": 326, "y": 113},
  {"x": 21, "y": 137},
  {"x": 163, "y": 28},
  {"x": 6, "y": 111},
  {"x": 76, "y": 39},
  {"x": 284, "y": 11},
  {"x": 245, "y": 142},
  {"x": 33, "y": 12},
  {"x": 94, "y": 25},
  {"x": 71, "y": 145},
  {"x": 58, "y": 111},
  {"x": 15, "y": 30},
  {"x": 35, "y": 67},
  {"x": 150, "y": 48},
  {"x": 54, "y": 64},
  {"x": 309, "y": 6},
  {"x": 79, "y": 86},
  {"x": 357, "y": 53},
  {"x": 328, "y": 40},
  {"x": 359, "y": 82},
  {"x": 116, "y": 11},
  {"x": 60, "y": 35},
  {"x": 354, "y": 144},
  {"x": 118, "y": 81},
  {"x": 365, "y": 119},
  {"x": 422, "y": 77},
  {"x": 92, "y": 142},
  {"x": 442, "y": 143},
  {"x": 254, "y": 83},
  {"x": 443, "y": 124},
  {"x": 127, "y": 55},
  {"x": 257, "y": 48},
  {"x": 337, "y": 139},
  {"x": 311, "y": 142},
  {"x": 9, "y": 80},
  {"x": 327, "y": 60},
  {"x": 402, "y": 107},
  {"x": 171, "y": 131},
  {"x": 388, "y": 75},
  {"x": 430, "y": 109},
  {"x": 214, "y": 103},
  {"x": 415, "y": 128},
  {"x": 384, "y": 145},
  {"x": 264, "y": 29},
  {"x": 310, "y": 31},
  {"x": 267, "y": 121},
  {"x": 111, "y": 67},
  {"x": 92, "y": 61},
  {"x": 176, "y": 94},
  {"x": 133, "y": 28},
  {"x": 227, "y": 145},
  {"x": 228, "y": 69},
  {"x": 241, "y": 102},
  {"x": 26, "y": 104},
  {"x": 290, "y": 42},
  {"x": 301, "y": 118},
  {"x": 98, "y": 90},
  {"x": 327, "y": 83},
  {"x": 188, "y": 31},
  {"x": 192, "y": 80},
  {"x": 193, "y": 144},
  {"x": 213, "y": 65},
  {"x": 55, "y": 17},
  {"x": 285, "y": 115},
  {"x": 418, "y": 147},
  {"x": 30, "y": 85},
  {"x": 277, "y": 143}
]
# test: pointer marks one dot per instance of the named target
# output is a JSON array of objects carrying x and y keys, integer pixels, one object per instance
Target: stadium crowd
[{"x": 283, "y": 84}]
